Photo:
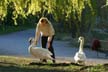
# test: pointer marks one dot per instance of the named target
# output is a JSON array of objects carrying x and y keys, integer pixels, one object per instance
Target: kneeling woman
[{"x": 45, "y": 30}]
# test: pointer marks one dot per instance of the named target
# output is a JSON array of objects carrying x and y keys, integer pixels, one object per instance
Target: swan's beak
[{"x": 31, "y": 40}]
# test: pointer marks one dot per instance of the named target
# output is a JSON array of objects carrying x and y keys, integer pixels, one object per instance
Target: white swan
[
  {"x": 80, "y": 56},
  {"x": 38, "y": 52}
]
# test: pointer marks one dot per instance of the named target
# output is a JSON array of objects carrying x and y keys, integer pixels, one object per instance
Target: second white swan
[{"x": 80, "y": 56}]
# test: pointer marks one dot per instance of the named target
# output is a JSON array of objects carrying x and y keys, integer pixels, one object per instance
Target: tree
[{"x": 75, "y": 16}]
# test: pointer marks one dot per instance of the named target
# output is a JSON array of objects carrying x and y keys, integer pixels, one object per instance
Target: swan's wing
[
  {"x": 41, "y": 53},
  {"x": 43, "y": 50},
  {"x": 84, "y": 56},
  {"x": 80, "y": 56},
  {"x": 76, "y": 58}
]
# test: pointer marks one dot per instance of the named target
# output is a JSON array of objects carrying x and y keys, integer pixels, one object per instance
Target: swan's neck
[
  {"x": 30, "y": 48},
  {"x": 81, "y": 46}
]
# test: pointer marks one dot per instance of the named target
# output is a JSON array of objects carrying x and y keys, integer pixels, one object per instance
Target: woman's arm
[
  {"x": 52, "y": 33},
  {"x": 37, "y": 35}
]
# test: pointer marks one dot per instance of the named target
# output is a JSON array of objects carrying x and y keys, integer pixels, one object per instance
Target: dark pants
[{"x": 44, "y": 45}]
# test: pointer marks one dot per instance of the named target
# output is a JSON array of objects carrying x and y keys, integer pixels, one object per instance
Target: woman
[{"x": 46, "y": 31}]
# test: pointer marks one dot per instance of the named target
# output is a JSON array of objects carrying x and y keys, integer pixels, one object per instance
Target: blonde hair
[{"x": 42, "y": 19}]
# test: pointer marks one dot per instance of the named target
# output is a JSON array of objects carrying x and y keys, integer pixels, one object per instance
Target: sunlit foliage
[{"x": 76, "y": 16}]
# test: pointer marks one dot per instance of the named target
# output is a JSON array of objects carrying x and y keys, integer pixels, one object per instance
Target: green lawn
[
  {"x": 100, "y": 35},
  {"x": 10, "y": 29},
  {"x": 20, "y": 64}
]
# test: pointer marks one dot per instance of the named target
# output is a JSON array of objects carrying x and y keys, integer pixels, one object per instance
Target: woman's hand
[{"x": 34, "y": 43}]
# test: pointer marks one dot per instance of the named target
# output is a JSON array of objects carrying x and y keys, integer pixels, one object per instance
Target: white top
[{"x": 46, "y": 30}]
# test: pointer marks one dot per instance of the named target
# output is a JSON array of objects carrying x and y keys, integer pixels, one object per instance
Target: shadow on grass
[
  {"x": 51, "y": 64},
  {"x": 11, "y": 68},
  {"x": 19, "y": 69},
  {"x": 32, "y": 67},
  {"x": 54, "y": 64},
  {"x": 44, "y": 67}
]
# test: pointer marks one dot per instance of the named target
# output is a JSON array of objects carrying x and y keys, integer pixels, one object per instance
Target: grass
[
  {"x": 10, "y": 29},
  {"x": 100, "y": 35},
  {"x": 64, "y": 36},
  {"x": 20, "y": 64}
]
